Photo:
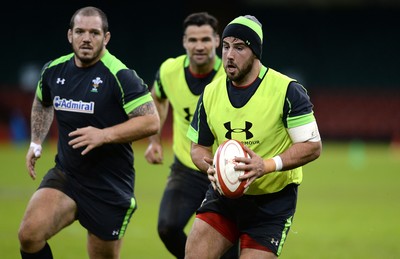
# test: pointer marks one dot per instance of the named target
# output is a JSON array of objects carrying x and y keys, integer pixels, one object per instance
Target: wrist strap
[
  {"x": 37, "y": 149},
  {"x": 278, "y": 163}
]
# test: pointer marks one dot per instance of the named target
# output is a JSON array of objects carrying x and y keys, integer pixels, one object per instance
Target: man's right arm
[{"x": 41, "y": 120}]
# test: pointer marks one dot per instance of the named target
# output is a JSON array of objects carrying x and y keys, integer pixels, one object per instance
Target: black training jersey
[{"x": 98, "y": 96}]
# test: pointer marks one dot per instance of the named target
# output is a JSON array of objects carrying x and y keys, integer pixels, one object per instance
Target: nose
[
  {"x": 199, "y": 46},
  {"x": 86, "y": 36},
  {"x": 228, "y": 53}
]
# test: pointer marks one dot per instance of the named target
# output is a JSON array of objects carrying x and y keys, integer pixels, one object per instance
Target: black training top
[{"x": 100, "y": 96}]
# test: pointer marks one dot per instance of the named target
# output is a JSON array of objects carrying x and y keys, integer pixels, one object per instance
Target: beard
[
  {"x": 241, "y": 73},
  {"x": 87, "y": 56}
]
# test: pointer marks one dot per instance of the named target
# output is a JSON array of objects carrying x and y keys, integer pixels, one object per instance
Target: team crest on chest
[{"x": 96, "y": 84}]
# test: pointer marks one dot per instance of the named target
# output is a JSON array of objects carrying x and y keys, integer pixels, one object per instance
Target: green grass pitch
[{"x": 348, "y": 205}]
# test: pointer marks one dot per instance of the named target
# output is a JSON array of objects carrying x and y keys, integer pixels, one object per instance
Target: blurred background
[{"x": 344, "y": 52}]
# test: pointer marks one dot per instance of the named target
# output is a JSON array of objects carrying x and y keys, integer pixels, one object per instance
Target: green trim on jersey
[
  {"x": 300, "y": 120},
  {"x": 128, "y": 215},
  {"x": 183, "y": 101},
  {"x": 187, "y": 62},
  {"x": 263, "y": 70},
  {"x": 115, "y": 65},
  {"x": 112, "y": 63},
  {"x": 51, "y": 64},
  {"x": 128, "y": 107},
  {"x": 38, "y": 90},
  {"x": 258, "y": 125},
  {"x": 61, "y": 60}
]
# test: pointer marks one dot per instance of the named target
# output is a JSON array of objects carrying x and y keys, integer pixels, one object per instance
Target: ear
[
  {"x": 217, "y": 40},
  {"x": 107, "y": 38},
  {"x": 184, "y": 41},
  {"x": 69, "y": 35}
]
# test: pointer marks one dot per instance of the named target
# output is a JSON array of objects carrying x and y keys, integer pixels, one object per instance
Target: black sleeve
[
  {"x": 132, "y": 85},
  {"x": 44, "y": 88},
  {"x": 157, "y": 83},
  {"x": 297, "y": 102},
  {"x": 199, "y": 123}
]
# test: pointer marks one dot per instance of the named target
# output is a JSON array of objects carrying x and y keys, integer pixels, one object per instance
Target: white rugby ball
[{"x": 226, "y": 176}]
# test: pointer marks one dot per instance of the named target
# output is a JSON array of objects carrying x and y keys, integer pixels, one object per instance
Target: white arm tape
[
  {"x": 37, "y": 149},
  {"x": 303, "y": 133},
  {"x": 278, "y": 163}
]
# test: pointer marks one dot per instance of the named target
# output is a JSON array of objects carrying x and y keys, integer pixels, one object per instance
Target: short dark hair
[
  {"x": 199, "y": 19},
  {"x": 90, "y": 11}
]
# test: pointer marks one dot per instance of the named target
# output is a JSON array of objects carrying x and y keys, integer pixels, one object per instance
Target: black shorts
[
  {"x": 266, "y": 219},
  {"x": 183, "y": 195},
  {"x": 106, "y": 221}
]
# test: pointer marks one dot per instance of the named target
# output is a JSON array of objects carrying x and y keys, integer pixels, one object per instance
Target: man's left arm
[
  {"x": 143, "y": 119},
  {"x": 303, "y": 130}
]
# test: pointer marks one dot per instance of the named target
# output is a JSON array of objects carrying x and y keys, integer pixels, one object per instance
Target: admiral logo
[{"x": 73, "y": 106}]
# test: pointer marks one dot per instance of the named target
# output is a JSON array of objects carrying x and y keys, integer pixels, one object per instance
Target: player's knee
[
  {"x": 29, "y": 236},
  {"x": 166, "y": 231},
  {"x": 26, "y": 239}
]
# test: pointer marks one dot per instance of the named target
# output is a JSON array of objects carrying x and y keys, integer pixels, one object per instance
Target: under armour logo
[
  {"x": 274, "y": 242},
  {"x": 115, "y": 232},
  {"x": 188, "y": 115},
  {"x": 60, "y": 81},
  {"x": 247, "y": 128}
]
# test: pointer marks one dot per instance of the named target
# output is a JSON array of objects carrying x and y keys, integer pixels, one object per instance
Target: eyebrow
[{"x": 235, "y": 43}]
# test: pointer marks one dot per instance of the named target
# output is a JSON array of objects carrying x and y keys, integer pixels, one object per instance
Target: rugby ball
[{"x": 227, "y": 182}]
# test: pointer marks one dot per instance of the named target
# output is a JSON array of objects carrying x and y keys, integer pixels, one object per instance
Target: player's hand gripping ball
[{"x": 228, "y": 183}]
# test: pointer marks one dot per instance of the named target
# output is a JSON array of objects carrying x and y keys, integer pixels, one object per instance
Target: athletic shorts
[
  {"x": 183, "y": 195},
  {"x": 106, "y": 221},
  {"x": 259, "y": 221}
]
